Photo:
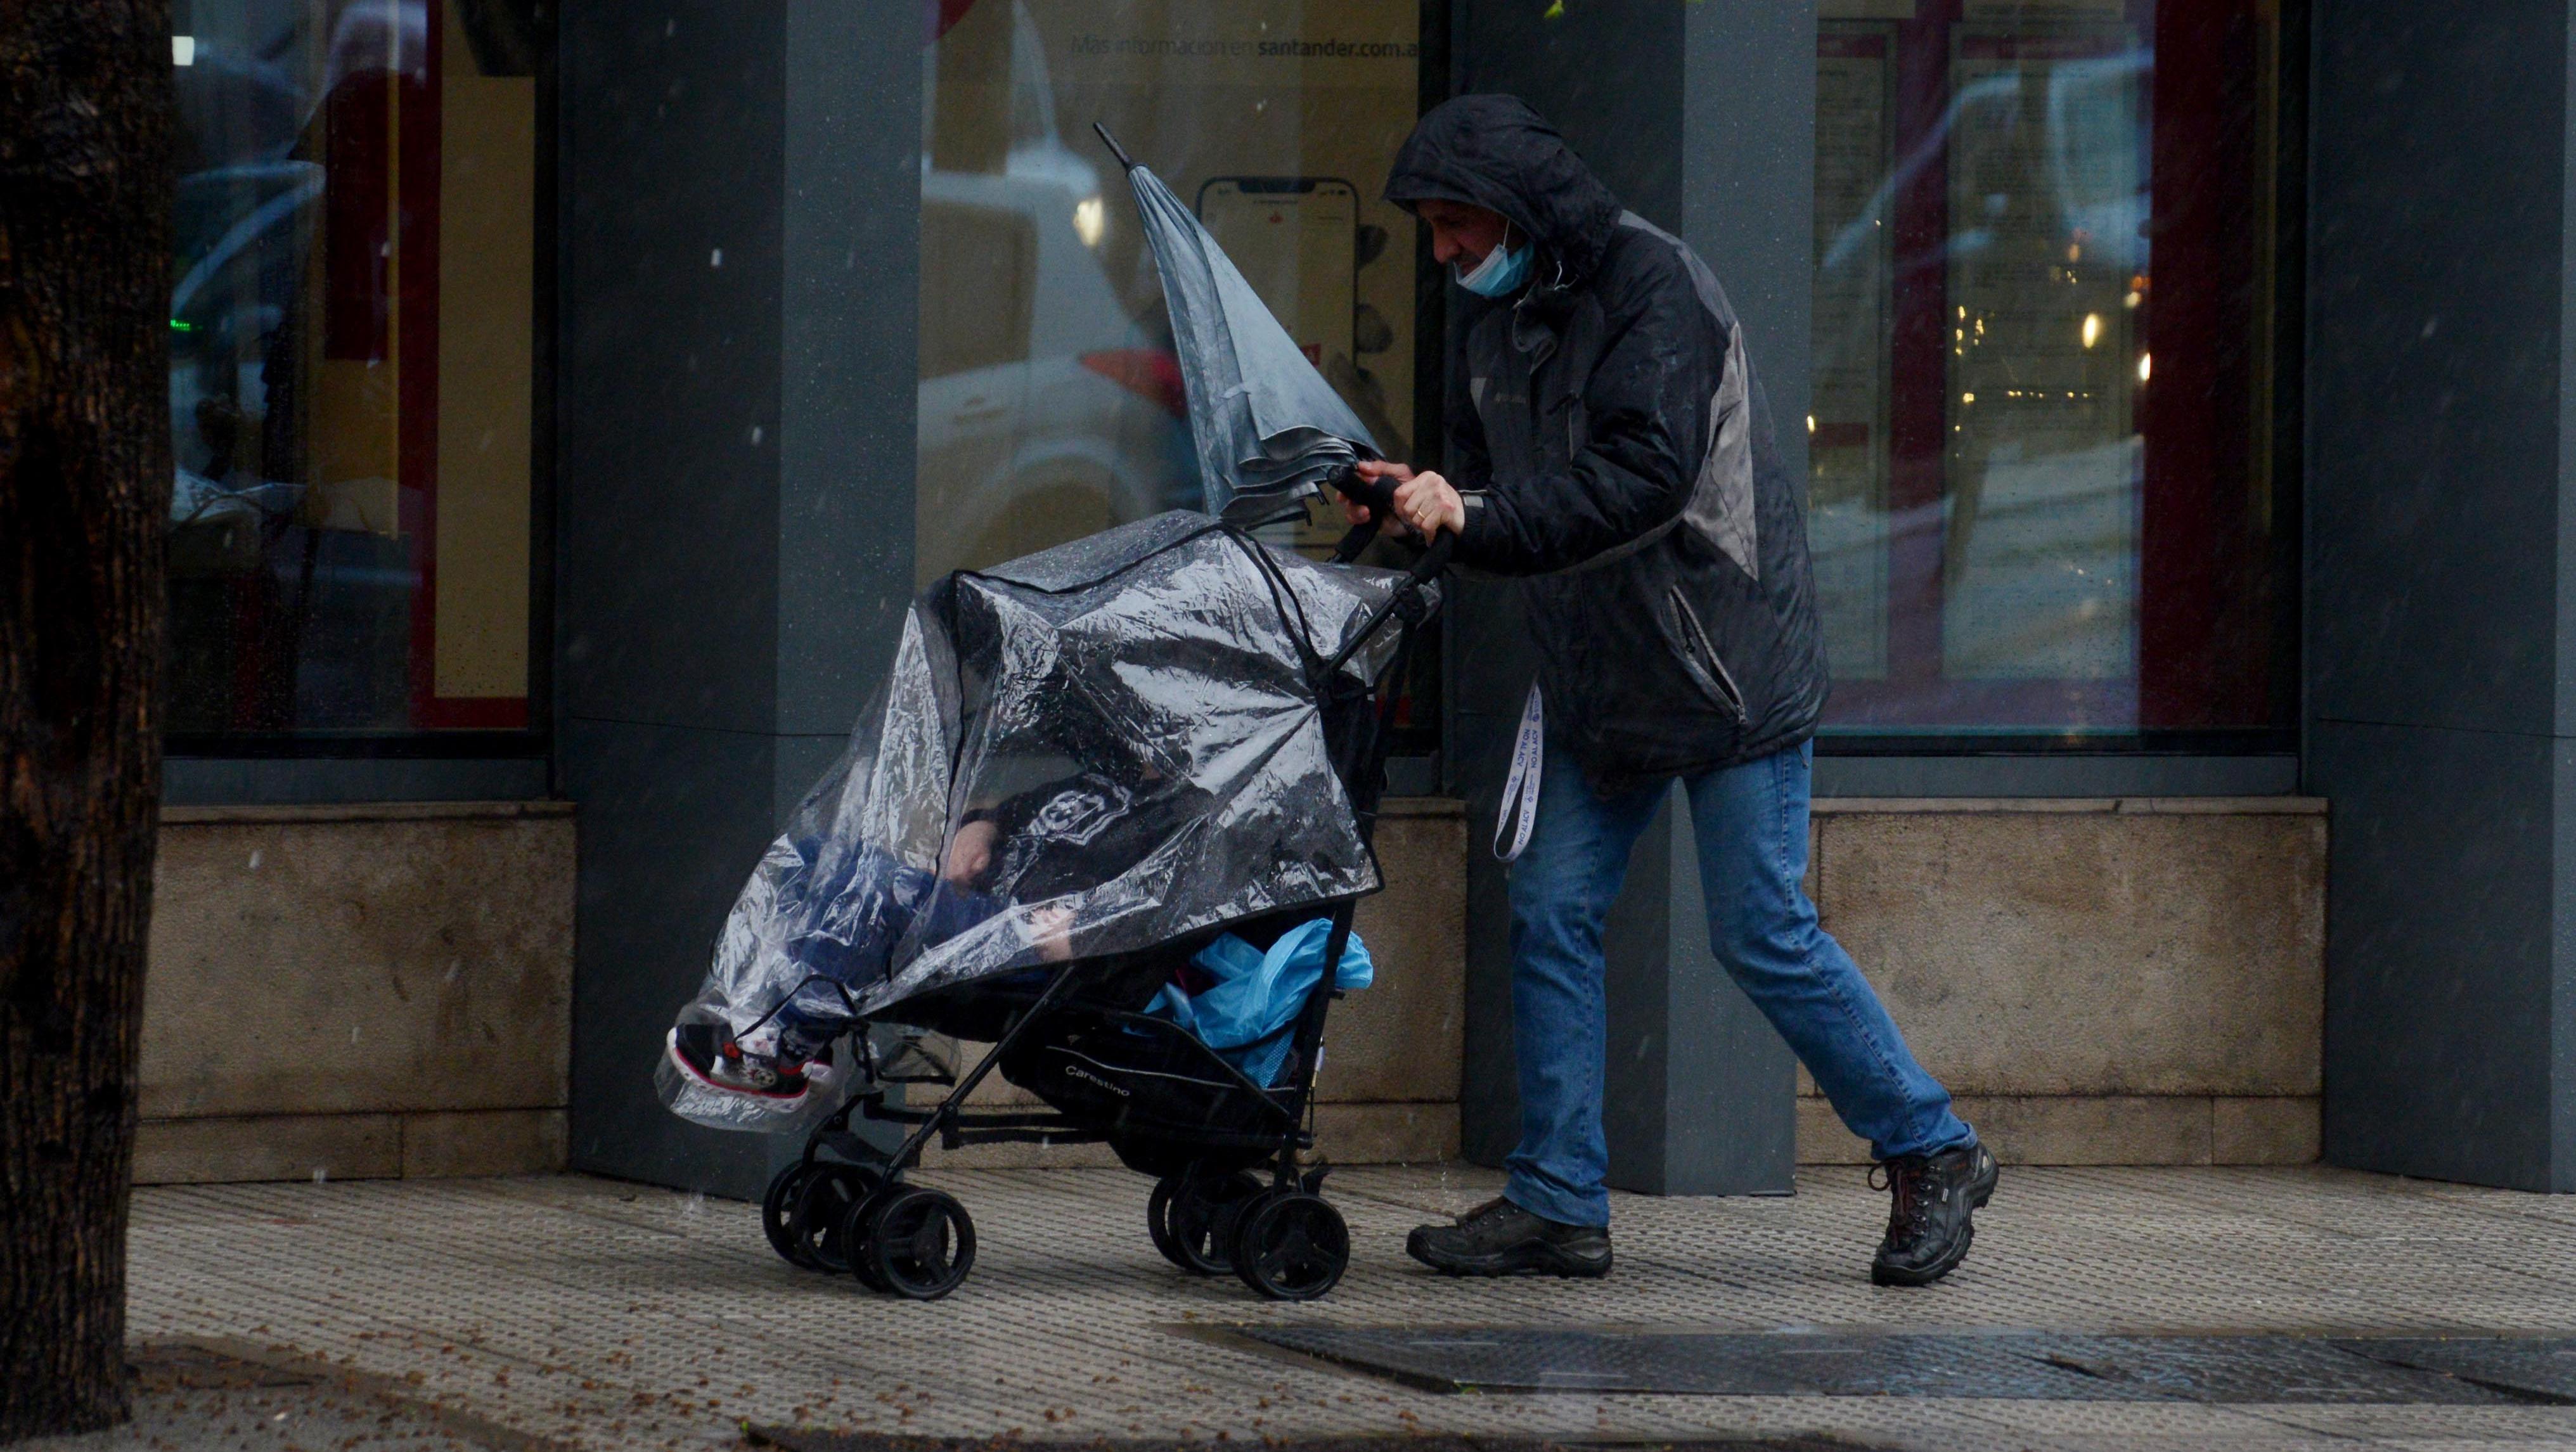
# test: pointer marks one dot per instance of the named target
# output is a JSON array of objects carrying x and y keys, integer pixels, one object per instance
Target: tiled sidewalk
[{"x": 599, "y": 1314}]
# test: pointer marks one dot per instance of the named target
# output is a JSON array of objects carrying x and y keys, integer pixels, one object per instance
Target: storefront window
[
  {"x": 351, "y": 365},
  {"x": 2043, "y": 493},
  {"x": 1051, "y": 403}
]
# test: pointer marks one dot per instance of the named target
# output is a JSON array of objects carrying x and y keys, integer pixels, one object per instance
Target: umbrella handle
[
  {"x": 1125, "y": 161},
  {"x": 1378, "y": 495}
]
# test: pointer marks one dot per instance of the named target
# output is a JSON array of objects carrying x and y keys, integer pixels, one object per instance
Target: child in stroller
[
  {"x": 880, "y": 901},
  {"x": 1205, "y": 719}
]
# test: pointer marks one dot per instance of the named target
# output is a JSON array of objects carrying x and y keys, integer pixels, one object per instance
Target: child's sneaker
[{"x": 707, "y": 1053}]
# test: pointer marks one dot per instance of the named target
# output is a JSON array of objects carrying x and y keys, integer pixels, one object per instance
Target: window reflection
[
  {"x": 351, "y": 364},
  {"x": 2023, "y": 519},
  {"x": 1050, "y": 402}
]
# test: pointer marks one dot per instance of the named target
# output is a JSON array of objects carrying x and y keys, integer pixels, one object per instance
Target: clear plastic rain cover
[{"x": 1092, "y": 750}]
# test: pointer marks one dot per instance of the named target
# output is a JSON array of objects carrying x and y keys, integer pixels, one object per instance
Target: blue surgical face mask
[{"x": 1502, "y": 272}]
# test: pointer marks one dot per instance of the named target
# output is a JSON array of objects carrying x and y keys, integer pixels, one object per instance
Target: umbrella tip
[{"x": 1116, "y": 150}]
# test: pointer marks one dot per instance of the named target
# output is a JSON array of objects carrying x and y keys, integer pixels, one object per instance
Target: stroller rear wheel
[
  {"x": 1194, "y": 1228},
  {"x": 778, "y": 1214},
  {"x": 823, "y": 1212},
  {"x": 920, "y": 1243},
  {"x": 1158, "y": 1220},
  {"x": 1291, "y": 1245}
]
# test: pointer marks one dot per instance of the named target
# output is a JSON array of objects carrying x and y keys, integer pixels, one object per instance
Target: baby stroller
[{"x": 1194, "y": 728}]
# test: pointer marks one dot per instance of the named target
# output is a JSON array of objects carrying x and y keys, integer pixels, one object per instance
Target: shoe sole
[
  {"x": 671, "y": 1050},
  {"x": 1520, "y": 1260},
  {"x": 1882, "y": 1275}
]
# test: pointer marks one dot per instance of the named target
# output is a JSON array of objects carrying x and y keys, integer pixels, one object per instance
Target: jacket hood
[{"x": 1495, "y": 152}]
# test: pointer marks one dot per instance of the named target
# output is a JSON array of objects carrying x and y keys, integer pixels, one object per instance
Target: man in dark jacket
[{"x": 1611, "y": 446}]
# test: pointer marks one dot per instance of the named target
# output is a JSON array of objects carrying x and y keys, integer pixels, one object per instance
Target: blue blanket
[{"x": 1243, "y": 1015}]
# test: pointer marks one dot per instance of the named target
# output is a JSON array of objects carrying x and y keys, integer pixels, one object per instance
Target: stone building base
[
  {"x": 2100, "y": 981},
  {"x": 384, "y": 991},
  {"x": 358, "y": 992}
]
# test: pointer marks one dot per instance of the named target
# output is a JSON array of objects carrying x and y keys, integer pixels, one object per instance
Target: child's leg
[{"x": 857, "y": 916}]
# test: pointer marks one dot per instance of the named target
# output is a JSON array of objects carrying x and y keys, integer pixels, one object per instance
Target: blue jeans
[{"x": 1751, "y": 826}]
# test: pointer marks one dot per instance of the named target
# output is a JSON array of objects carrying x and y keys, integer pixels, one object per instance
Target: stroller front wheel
[
  {"x": 778, "y": 1214},
  {"x": 1291, "y": 1245},
  {"x": 920, "y": 1243},
  {"x": 823, "y": 1212}
]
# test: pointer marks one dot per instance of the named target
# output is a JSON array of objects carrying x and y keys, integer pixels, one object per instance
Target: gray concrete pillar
[
  {"x": 2441, "y": 583},
  {"x": 740, "y": 222},
  {"x": 1702, "y": 119}
]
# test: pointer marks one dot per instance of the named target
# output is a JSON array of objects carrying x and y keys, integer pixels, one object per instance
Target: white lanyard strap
[{"x": 1520, "y": 793}]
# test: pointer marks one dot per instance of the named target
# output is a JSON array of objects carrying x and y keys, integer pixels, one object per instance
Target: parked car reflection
[{"x": 1047, "y": 412}]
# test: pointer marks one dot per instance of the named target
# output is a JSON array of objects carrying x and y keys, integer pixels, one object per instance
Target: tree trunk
[{"x": 85, "y": 200}]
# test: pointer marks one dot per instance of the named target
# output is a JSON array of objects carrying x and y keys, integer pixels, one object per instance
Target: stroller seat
[{"x": 1154, "y": 1090}]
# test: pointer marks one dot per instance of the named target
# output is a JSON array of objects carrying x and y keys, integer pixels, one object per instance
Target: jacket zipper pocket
[{"x": 1704, "y": 655}]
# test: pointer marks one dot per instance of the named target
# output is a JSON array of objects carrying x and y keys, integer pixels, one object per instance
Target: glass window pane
[
  {"x": 1050, "y": 402},
  {"x": 2041, "y": 483},
  {"x": 351, "y": 373}
]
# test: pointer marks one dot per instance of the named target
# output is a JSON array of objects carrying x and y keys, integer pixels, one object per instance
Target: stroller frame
[{"x": 845, "y": 1204}]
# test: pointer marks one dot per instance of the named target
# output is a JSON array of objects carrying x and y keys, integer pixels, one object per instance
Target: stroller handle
[
  {"x": 1433, "y": 561},
  {"x": 1379, "y": 497}
]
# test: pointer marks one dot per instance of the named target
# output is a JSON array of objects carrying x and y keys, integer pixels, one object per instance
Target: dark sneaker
[
  {"x": 708, "y": 1054},
  {"x": 1499, "y": 1238},
  {"x": 1928, "y": 1226}
]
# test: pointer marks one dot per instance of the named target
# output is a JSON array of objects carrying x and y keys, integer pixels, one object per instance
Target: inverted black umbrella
[{"x": 1270, "y": 431}]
